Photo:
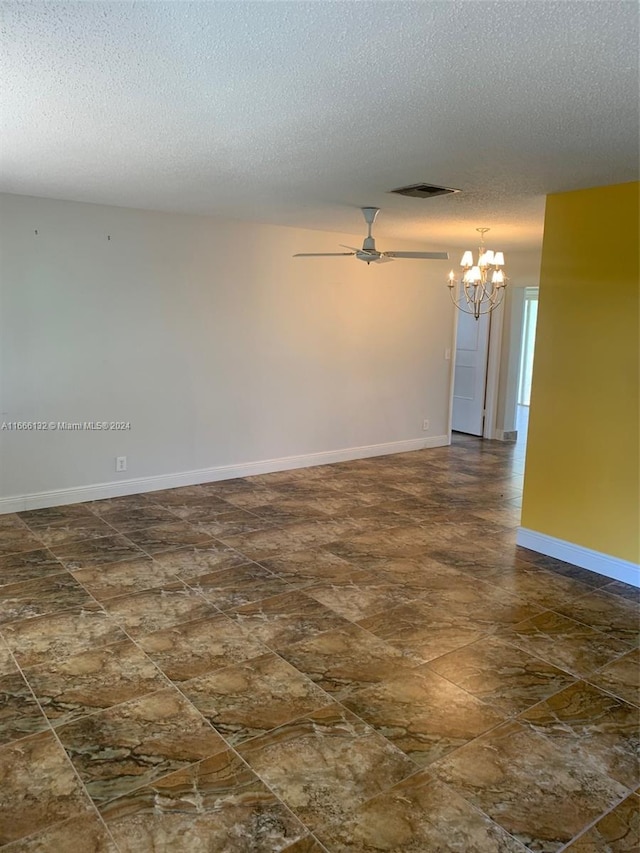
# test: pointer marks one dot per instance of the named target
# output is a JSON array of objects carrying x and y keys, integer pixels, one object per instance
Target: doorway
[
  {"x": 525, "y": 372},
  {"x": 470, "y": 373},
  {"x": 484, "y": 369}
]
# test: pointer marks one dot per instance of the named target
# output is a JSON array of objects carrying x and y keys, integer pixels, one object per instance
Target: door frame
[
  {"x": 531, "y": 294},
  {"x": 452, "y": 367},
  {"x": 493, "y": 373},
  {"x": 496, "y": 323}
]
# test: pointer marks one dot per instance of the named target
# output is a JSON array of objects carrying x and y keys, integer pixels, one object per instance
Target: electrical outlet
[
  {"x": 425, "y": 424},
  {"x": 447, "y": 354},
  {"x": 121, "y": 463}
]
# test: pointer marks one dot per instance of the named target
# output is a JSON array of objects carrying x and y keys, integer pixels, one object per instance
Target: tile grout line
[
  {"x": 302, "y": 590},
  {"x": 171, "y": 684},
  {"x": 52, "y": 731},
  {"x": 583, "y": 625},
  {"x": 596, "y": 820},
  {"x": 174, "y": 686},
  {"x": 275, "y": 652},
  {"x": 228, "y": 746}
]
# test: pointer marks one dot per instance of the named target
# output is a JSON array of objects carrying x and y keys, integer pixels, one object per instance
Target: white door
[{"x": 470, "y": 376}]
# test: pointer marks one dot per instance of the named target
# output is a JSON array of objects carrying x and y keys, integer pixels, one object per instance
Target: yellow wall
[{"x": 582, "y": 478}]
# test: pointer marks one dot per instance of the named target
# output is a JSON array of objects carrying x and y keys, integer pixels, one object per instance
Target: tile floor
[{"x": 348, "y": 658}]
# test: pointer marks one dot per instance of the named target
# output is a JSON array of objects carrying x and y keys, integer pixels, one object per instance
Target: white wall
[{"x": 218, "y": 346}]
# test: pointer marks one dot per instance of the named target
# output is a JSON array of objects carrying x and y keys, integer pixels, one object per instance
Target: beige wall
[{"x": 205, "y": 334}]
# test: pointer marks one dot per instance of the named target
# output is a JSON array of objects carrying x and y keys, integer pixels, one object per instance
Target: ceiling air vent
[{"x": 423, "y": 191}]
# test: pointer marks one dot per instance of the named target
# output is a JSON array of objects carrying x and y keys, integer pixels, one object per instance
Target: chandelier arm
[
  {"x": 490, "y": 306},
  {"x": 466, "y": 310}
]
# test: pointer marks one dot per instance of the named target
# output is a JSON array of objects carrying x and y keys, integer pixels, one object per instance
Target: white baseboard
[
  {"x": 505, "y": 435},
  {"x": 595, "y": 561},
  {"x": 99, "y": 491}
]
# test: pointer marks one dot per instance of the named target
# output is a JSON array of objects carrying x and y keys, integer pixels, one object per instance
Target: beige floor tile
[
  {"x": 326, "y": 764},
  {"x": 131, "y": 745},
  {"x": 538, "y": 790},
  {"x": 97, "y": 552},
  {"x": 155, "y": 609},
  {"x": 93, "y": 680},
  {"x": 595, "y": 726},
  {"x": 217, "y": 804},
  {"x": 621, "y": 677},
  {"x": 20, "y": 715},
  {"x": 565, "y": 643},
  {"x": 124, "y": 578},
  {"x": 308, "y": 566},
  {"x": 422, "y": 630},
  {"x": 190, "y": 562},
  {"x": 16, "y": 537},
  {"x": 418, "y": 815},
  {"x": 39, "y": 787},
  {"x": 238, "y": 586},
  {"x": 86, "y": 833},
  {"x": 41, "y": 596},
  {"x": 251, "y": 698},
  {"x": 38, "y": 519},
  {"x": 168, "y": 536},
  {"x": 126, "y": 520},
  {"x": 7, "y": 664},
  {"x": 55, "y": 637},
  {"x": 285, "y": 619},
  {"x": 362, "y": 595},
  {"x": 75, "y": 529},
  {"x": 424, "y": 715},
  {"x": 501, "y": 674},
  {"x": 346, "y": 660},
  {"x": 28, "y": 566},
  {"x": 616, "y": 832},
  {"x": 263, "y": 544},
  {"x": 195, "y": 648},
  {"x": 612, "y": 615}
]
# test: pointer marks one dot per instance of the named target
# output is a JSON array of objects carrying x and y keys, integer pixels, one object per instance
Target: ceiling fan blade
[
  {"x": 433, "y": 256},
  {"x": 383, "y": 259},
  {"x": 323, "y": 254}
]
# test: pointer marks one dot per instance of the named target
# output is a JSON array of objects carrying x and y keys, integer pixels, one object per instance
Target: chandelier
[{"x": 483, "y": 283}]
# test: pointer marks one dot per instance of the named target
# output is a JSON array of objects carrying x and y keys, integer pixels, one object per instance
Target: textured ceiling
[{"x": 298, "y": 112}]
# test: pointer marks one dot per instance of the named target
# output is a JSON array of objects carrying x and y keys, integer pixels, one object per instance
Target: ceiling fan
[{"x": 368, "y": 253}]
